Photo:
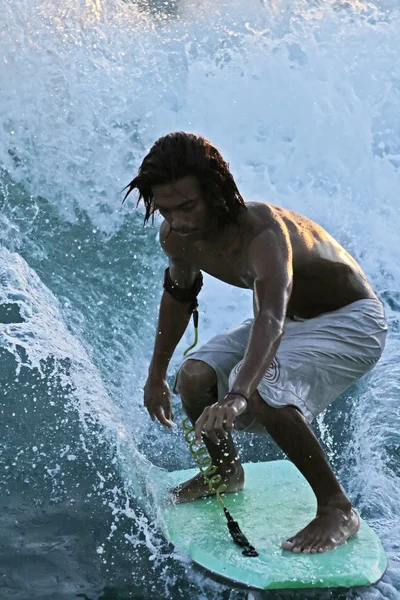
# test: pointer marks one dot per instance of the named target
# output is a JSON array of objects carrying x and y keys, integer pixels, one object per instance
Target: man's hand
[
  {"x": 157, "y": 400},
  {"x": 217, "y": 420}
]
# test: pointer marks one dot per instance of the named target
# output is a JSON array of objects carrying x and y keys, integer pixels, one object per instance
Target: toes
[
  {"x": 324, "y": 544},
  {"x": 316, "y": 545},
  {"x": 303, "y": 547},
  {"x": 326, "y": 548},
  {"x": 296, "y": 545},
  {"x": 299, "y": 545}
]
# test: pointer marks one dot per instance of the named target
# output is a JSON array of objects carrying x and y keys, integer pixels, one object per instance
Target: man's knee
[
  {"x": 287, "y": 416},
  {"x": 196, "y": 378}
]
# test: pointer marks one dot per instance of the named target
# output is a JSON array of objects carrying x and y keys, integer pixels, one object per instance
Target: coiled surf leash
[
  {"x": 209, "y": 472},
  {"x": 195, "y": 314}
]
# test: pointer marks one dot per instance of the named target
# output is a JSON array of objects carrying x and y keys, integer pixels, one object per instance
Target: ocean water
[{"x": 303, "y": 100}]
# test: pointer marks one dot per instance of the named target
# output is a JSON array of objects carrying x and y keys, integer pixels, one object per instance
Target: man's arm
[
  {"x": 173, "y": 319},
  {"x": 270, "y": 257}
]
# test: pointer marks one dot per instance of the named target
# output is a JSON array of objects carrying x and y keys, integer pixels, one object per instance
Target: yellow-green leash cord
[
  {"x": 208, "y": 471},
  {"x": 204, "y": 463},
  {"x": 196, "y": 331}
]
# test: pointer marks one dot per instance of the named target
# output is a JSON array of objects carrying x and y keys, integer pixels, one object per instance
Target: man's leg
[
  {"x": 336, "y": 521},
  {"x": 197, "y": 385}
]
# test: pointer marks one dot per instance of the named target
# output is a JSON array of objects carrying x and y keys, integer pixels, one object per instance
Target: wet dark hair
[{"x": 179, "y": 154}]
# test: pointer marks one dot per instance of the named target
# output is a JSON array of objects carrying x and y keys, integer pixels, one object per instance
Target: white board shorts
[{"x": 317, "y": 359}]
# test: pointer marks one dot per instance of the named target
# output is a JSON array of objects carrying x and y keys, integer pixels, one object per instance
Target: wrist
[
  {"x": 156, "y": 374},
  {"x": 159, "y": 365},
  {"x": 233, "y": 393}
]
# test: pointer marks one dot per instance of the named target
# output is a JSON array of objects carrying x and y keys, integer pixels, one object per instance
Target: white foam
[{"x": 302, "y": 100}]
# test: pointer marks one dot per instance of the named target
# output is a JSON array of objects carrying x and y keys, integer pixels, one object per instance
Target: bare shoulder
[
  {"x": 302, "y": 231},
  {"x": 270, "y": 240},
  {"x": 268, "y": 220},
  {"x": 271, "y": 214},
  {"x": 310, "y": 246},
  {"x": 169, "y": 243}
]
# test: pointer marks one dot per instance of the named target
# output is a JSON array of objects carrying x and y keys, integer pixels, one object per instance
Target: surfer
[{"x": 317, "y": 326}]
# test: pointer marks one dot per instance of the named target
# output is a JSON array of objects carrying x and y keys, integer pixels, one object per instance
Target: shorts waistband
[{"x": 368, "y": 305}]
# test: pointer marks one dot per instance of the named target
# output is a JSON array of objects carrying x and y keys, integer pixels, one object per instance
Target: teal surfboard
[{"x": 275, "y": 503}]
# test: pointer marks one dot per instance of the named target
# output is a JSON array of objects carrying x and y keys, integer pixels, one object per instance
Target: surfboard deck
[{"x": 275, "y": 503}]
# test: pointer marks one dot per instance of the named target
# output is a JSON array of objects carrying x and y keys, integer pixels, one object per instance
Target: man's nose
[{"x": 179, "y": 222}]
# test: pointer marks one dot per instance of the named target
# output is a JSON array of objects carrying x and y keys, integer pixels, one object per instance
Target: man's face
[{"x": 182, "y": 205}]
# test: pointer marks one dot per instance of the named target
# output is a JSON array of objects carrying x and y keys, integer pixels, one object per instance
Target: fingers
[
  {"x": 210, "y": 429},
  {"x": 159, "y": 413},
  {"x": 152, "y": 415},
  {"x": 220, "y": 424},
  {"x": 165, "y": 418},
  {"x": 157, "y": 400},
  {"x": 215, "y": 422},
  {"x": 168, "y": 412},
  {"x": 230, "y": 420},
  {"x": 199, "y": 425}
]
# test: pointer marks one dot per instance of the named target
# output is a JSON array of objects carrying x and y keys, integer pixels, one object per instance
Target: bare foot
[
  {"x": 198, "y": 488},
  {"x": 330, "y": 528}
]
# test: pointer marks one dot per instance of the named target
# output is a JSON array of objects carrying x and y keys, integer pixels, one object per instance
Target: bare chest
[{"x": 231, "y": 267}]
